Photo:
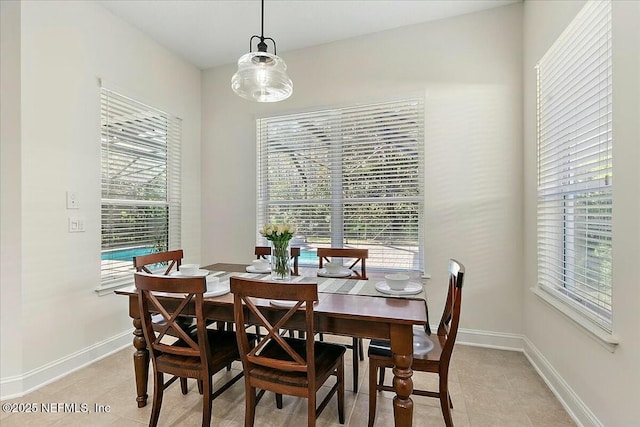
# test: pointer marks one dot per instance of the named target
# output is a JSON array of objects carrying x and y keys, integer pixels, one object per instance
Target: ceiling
[{"x": 217, "y": 32}]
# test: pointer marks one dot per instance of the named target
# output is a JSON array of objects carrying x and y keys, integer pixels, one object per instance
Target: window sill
[
  {"x": 108, "y": 289},
  {"x": 607, "y": 340}
]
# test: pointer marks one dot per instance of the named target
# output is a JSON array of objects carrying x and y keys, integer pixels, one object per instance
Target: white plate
[
  {"x": 283, "y": 303},
  {"x": 199, "y": 273},
  {"x": 217, "y": 289},
  {"x": 345, "y": 272},
  {"x": 253, "y": 269},
  {"x": 412, "y": 288}
]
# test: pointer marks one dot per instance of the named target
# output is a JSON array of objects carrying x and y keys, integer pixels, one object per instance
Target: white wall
[
  {"x": 64, "y": 48},
  {"x": 470, "y": 69},
  {"x": 10, "y": 245},
  {"x": 600, "y": 387}
]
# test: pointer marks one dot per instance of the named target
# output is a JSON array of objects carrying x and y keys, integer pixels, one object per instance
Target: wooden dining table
[{"x": 337, "y": 312}]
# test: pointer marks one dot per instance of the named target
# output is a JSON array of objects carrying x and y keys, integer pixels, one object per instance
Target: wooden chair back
[
  {"x": 448, "y": 327},
  {"x": 170, "y": 259},
  {"x": 150, "y": 301},
  {"x": 357, "y": 255},
  {"x": 263, "y": 252},
  {"x": 303, "y": 295}
]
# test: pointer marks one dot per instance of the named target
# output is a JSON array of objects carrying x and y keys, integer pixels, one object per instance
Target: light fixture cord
[{"x": 262, "y": 23}]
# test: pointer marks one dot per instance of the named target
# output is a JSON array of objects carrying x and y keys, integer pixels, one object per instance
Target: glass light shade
[{"x": 262, "y": 77}]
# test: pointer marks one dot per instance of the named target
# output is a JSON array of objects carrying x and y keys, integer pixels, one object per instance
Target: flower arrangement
[{"x": 279, "y": 236}]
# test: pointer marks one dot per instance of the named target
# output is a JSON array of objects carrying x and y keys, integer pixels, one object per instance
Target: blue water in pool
[{"x": 126, "y": 254}]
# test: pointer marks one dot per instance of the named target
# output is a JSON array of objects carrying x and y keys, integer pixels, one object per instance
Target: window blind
[
  {"x": 347, "y": 177},
  {"x": 575, "y": 168},
  {"x": 141, "y": 208}
]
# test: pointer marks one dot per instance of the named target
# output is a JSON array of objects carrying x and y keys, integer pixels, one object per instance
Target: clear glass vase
[{"x": 280, "y": 259}]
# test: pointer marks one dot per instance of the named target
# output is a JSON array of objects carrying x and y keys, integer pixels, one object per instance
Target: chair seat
[
  {"x": 424, "y": 347},
  {"x": 326, "y": 356},
  {"x": 223, "y": 346}
]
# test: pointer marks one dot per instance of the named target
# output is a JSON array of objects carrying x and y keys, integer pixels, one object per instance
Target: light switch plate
[
  {"x": 76, "y": 224},
  {"x": 72, "y": 200}
]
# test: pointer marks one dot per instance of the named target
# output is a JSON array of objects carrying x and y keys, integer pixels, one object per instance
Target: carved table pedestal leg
[
  {"x": 140, "y": 363},
  {"x": 402, "y": 349}
]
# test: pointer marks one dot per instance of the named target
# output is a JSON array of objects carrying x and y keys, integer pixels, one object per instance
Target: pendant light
[{"x": 262, "y": 76}]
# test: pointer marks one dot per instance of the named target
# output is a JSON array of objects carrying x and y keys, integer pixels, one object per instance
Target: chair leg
[
  {"x": 361, "y": 349},
  {"x": 183, "y": 385},
  {"x": 207, "y": 402},
  {"x": 356, "y": 358},
  {"x": 341, "y": 392},
  {"x": 158, "y": 389},
  {"x": 311, "y": 410},
  {"x": 278, "y": 400},
  {"x": 249, "y": 404},
  {"x": 445, "y": 400},
  {"x": 373, "y": 368},
  {"x": 200, "y": 388}
]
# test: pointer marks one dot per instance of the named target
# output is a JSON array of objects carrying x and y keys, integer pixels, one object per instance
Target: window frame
[
  {"x": 141, "y": 145},
  {"x": 341, "y": 134},
  {"x": 575, "y": 171}
]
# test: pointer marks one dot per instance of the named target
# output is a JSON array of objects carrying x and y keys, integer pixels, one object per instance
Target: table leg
[
  {"x": 140, "y": 363},
  {"x": 402, "y": 349}
]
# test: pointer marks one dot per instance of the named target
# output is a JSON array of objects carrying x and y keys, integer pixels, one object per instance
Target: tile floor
[{"x": 488, "y": 388}]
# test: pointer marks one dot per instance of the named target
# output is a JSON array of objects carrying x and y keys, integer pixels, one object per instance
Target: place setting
[
  {"x": 335, "y": 270},
  {"x": 259, "y": 266},
  {"x": 216, "y": 288},
  {"x": 399, "y": 284},
  {"x": 190, "y": 270}
]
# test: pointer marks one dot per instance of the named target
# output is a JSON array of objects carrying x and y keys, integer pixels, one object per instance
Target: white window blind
[
  {"x": 575, "y": 171},
  {"x": 347, "y": 177},
  {"x": 140, "y": 184}
]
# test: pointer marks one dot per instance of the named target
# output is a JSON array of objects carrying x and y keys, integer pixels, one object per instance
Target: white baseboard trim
[
  {"x": 571, "y": 402},
  {"x": 497, "y": 340},
  {"x": 19, "y": 385}
]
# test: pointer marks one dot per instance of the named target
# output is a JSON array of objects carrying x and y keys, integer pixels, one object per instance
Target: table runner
[
  {"x": 328, "y": 284},
  {"x": 335, "y": 286}
]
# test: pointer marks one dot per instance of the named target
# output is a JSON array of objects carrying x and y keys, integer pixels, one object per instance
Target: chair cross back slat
[
  {"x": 299, "y": 363},
  {"x": 172, "y": 324},
  {"x": 172, "y": 258},
  {"x": 301, "y": 293}
]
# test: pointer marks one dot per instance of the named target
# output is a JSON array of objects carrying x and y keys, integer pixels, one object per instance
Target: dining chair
[
  {"x": 356, "y": 256},
  {"x": 263, "y": 252},
  {"x": 165, "y": 263},
  {"x": 429, "y": 355},
  {"x": 284, "y": 365},
  {"x": 198, "y": 357}
]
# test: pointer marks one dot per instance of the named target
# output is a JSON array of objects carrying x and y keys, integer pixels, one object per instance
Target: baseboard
[
  {"x": 571, "y": 402},
  {"x": 19, "y": 385},
  {"x": 497, "y": 340}
]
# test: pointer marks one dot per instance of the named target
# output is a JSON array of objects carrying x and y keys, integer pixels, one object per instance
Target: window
[
  {"x": 140, "y": 184},
  {"x": 575, "y": 173},
  {"x": 347, "y": 177}
]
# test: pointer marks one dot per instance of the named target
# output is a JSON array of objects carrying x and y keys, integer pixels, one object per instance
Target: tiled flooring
[{"x": 488, "y": 388}]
